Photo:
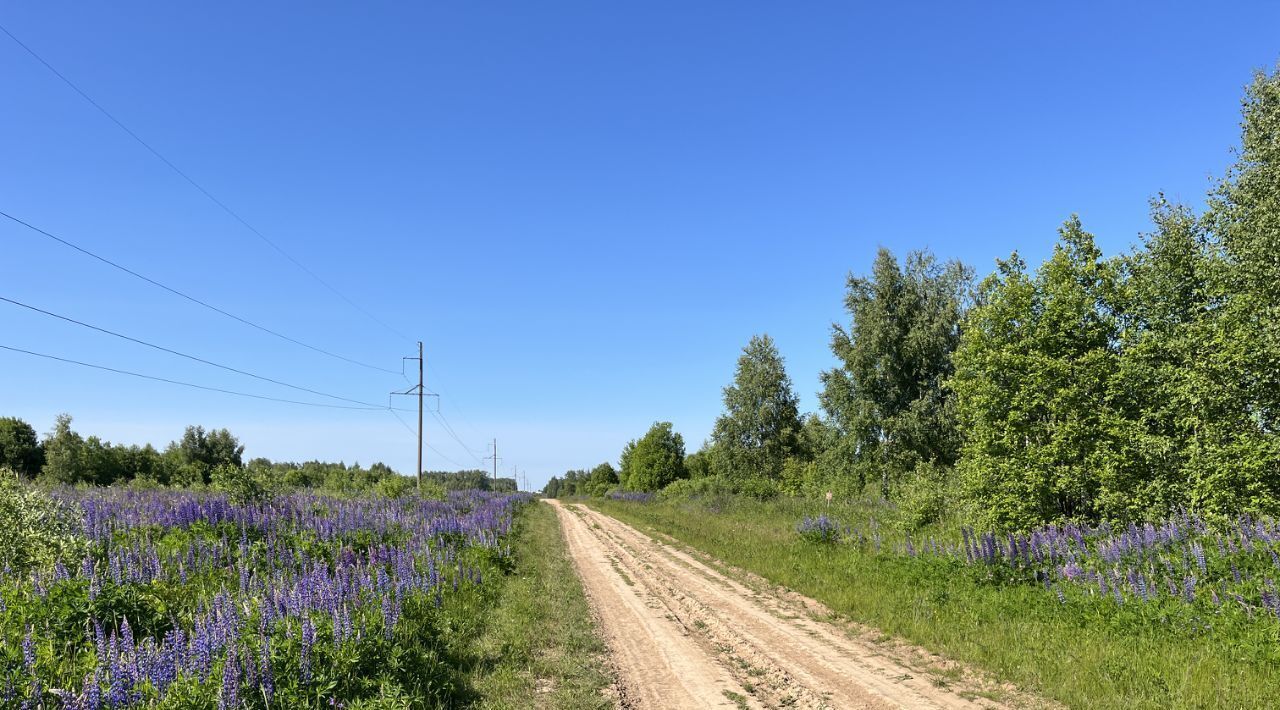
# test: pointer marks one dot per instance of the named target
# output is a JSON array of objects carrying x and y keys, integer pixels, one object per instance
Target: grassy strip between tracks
[
  {"x": 540, "y": 648},
  {"x": 1085, "y": 656}
]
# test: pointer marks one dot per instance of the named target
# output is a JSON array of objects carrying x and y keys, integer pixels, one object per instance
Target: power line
[
  {"x": 199, "y": 187},
  {"x": 433, "y": 449},
  {"x": 449, "y": 430},
  {"x": 187, "y": 296},
  {"x": 193, "y": 358},
  {"x": 186, "y": 384}
]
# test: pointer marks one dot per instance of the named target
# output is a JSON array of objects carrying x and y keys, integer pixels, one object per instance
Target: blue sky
[{"x": 584, "y": 209}]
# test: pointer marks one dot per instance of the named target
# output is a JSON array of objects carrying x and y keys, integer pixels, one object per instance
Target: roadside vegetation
[
  {"x": 1026, "y": 623},
  {"x": 1065, "y": 474},
  {"x": 191, "y": 579},
  {"x": 539, "y": 648}
]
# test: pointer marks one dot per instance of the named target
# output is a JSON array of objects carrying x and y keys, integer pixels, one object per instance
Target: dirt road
[{"x": 684, "y": 635}]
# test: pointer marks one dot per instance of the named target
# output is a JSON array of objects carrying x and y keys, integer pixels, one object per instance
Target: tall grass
[
  {"x": 1084, "y": 650},
  {"x": 539, "y": 648}
]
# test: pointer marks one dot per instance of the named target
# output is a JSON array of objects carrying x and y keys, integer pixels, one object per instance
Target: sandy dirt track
[{"x": 684, "y": 635}]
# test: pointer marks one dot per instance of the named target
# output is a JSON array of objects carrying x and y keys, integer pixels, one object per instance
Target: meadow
[
  {"x": 1180, "y": 613},
  {"x": 182, "y": 599}
]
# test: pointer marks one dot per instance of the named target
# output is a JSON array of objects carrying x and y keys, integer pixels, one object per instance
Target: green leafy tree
[
  {"x": 64, "y": 454},
  {"x": 199, "y": 452},
  {"x": 601, "y": 479},
  {"x": 760, "y": 427},
  {"x": 1032, "y": 374},
  {"x": 699, "y": 463},
  {"x": 1241, "y": 455},
  {"x": 888, "y": 396},
  {"x": 552, "y": 489},
  {"x": 654, "y": 460},
  {"x": 20, "y": 447}
]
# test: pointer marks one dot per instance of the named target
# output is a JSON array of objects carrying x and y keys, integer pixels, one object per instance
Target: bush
[
  {"x": 243, "y": 486},
  {"x": 822, "y": 529},
  {"x": 397, "y": 486},
  {"x": 689, "y": 488},
  {"x": 759, "y": 487},
  {"x": 926, "y": 496},
  {"x": 36, "y": 529}
]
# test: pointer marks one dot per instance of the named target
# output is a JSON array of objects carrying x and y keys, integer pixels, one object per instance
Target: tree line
[
  {"x": 199, "y": 458},
  {"x": 1089, "y": 387}
]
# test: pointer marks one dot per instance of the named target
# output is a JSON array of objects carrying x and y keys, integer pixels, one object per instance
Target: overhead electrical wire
[
  {"x": 449, "y": 430},
  {"x": 433, "y": 449},
  {"x": 256, "y": 232},
  {"x": 193, "y": 358},
  {"x": 186, "y": 384},
  {"x": 187, "y": 296},
  {"x": 200, "y": 187}
]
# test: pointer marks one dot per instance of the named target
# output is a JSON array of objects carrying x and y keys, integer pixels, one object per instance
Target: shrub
[
  {"x": 925, "y": 497},
  {"x": 36, "y": 529},
  {"x": 243, "y": 486},
  {"x": 631, "y": 496},
  {"x": 689, "y": 488},
  {"x": 397, "y": 486},
  {"x": 822, "y": 529}
]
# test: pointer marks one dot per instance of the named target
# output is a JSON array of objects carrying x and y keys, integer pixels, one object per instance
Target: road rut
[{"x": 684, "y": 635}]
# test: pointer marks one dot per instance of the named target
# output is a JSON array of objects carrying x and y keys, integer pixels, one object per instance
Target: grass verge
[
  {"x": 1079, "y": 655},
  {"x": 540, "y": 649}
]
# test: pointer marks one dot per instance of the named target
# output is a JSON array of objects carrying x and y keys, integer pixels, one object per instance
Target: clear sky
[{"x": 584, "y": 209}]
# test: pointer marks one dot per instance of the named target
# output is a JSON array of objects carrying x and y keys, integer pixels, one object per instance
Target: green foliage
[
  {"x": 539, "y": 648},
  {"x": 705, "y": 487},
  {"x": 36, "y": 529},
  {"x": 927, "y": 496},
  {"x": 888, "y": 394},
  {"x": 600, "y": 480},
  {"x": 654, "y": 460},
  {"x": 1031, "y": 379},
  {"x": 244, "y": 485},
  {"x": 20, "y": 448},
  {"x": 199, "y": 452},
  {"x": 699, "y": 464},
  {"x": 1087, "y": 653},
  {"x": 64, "y": 454},
  {"x": 760, "y": 426},
  {"x": 471, "y": 479}
]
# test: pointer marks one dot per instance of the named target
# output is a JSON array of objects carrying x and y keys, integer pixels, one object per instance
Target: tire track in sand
[{"x": 685, "y": 635}]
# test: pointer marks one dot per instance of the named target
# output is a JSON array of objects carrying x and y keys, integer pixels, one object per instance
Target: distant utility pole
[
  {"x": 421, "y": 392},
  {"x": 495, "y": 462}
]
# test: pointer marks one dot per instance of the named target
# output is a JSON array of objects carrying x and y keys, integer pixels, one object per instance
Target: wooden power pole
[{"x": 421, "y": 392}]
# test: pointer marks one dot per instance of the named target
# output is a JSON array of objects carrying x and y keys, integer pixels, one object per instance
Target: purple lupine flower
[
  {"x": 266, "y": 676},
  {"x": 92, "y": 692},
  {"x": 29, "y": 651},
  {"x": 230, "y": 697},
  {"x": 308, "y": 639}
]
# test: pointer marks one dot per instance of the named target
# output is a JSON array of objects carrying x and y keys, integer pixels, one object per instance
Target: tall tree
[
  {"x": 1244, "y": 215},
  {"x": 601, "y": 479},
  {"x": 654, "y": 460},
  {"x": 200, "y": 451},
  {"x": 64, "y": 454},
  {"x": 887, "y": 398},
  {"x": 20, "y": 447},
  {"x": 1032, "y": 375},
  {"x": 760, "y": 426}
]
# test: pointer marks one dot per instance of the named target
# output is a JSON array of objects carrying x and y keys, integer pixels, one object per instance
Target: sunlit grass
[{"x": 1085, "y": 654}]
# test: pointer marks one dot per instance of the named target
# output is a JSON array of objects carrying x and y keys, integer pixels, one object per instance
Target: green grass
[
  {"x": 1082, "y": 655},
  {"x": 540, "y": 648}
]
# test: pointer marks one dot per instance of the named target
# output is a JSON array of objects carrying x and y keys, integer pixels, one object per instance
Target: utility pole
[
  {"x": 421, "y": 392},
  {"x": 495, "y": 462}
]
